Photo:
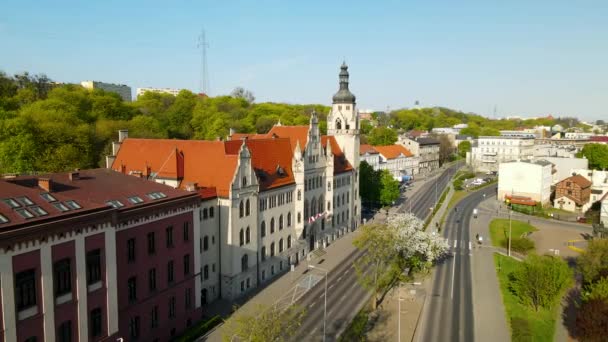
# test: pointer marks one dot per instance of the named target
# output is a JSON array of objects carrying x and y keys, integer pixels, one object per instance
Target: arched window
[
  {"x": 328, "y": 205},
  {"x": 280, "y": 245},
  {"x": 348, "y": 197},
  {"x": 299, "y": 195},
  {"x": 299, "y": 217},
  {"x": 338, "y": 124},
  {"x": 288, "y": 241},
  {"x": 320, "y": 204},
  {"x": 342, "y": 216},
  {"x": 205, "y": 243},
  {"x": 281, "y": 222},
  {"x": 205, "y": 214},
  {"x": 263, "y": 253},
  {"x": 241, "y": 209},
  {"x": 247, "y": 208},
  {"x": 343, "y": 199},
  {"x": 241, "y": 238},
  {"x": 263, "y": 229},
  {"x": 272, "y": 225},
  {"x": 289, "y": 219},
  {"x": 305, "y": 209},
  {"x": 247, "y": 235},
  {"x": 272, "y": 249},
  {"x": 355, "y": 210},
  {"x": 244, "y": 263},
  {"x": 244, "y": 182}
]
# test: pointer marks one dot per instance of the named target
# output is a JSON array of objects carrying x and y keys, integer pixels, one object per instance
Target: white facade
[
  {"x": 398, "y": 163},
  {"x": 564, "y": 166},
  {"x": 525, "y": 178},
  {"x": 123, "y": 90},
  {"x": 411, "y": 144},
  {"x": 171, "y": 91},
  {"x": 604, "y": 212},
  {"x": 491, "y": 151}
]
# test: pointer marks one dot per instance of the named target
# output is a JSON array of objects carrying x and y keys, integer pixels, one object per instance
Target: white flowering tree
[{"x": 391, "y": 248}]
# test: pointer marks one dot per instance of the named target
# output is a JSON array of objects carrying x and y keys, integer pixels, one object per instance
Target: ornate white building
[{"x": 268, "y": 200}]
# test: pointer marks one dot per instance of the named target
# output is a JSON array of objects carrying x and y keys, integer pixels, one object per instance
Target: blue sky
[{"x": 524, "y": 57}]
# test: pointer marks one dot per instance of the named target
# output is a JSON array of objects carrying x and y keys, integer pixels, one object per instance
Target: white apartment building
[
  {"x": 490, "y": 151},
  {"x": 268, "y": 200},
  {"x": 123, "y": 90},
  {"x": 525, "y": 178},
  {"x": 171, "y": 91},
  {"x": 400, "y": 162}
]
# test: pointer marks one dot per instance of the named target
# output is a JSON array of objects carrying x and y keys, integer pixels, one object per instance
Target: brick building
[{"x": 573, "y": 194}]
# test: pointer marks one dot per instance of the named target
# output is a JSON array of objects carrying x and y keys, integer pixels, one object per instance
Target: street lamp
[
  {"x": 510, "y": 232},
  {"x": 399, "y": 299},
  {"x": 324, "y": 297}
]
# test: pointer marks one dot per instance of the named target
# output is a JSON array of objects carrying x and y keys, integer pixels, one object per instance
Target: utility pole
[{"x": 204, "y": 81}]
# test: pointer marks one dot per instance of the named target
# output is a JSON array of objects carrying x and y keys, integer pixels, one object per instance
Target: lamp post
[
  {"x": 324, "y": 297},
  {"x": 509, "y": 232}
]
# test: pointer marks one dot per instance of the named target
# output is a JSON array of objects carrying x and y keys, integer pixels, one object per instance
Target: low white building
[
  {"x": 490, "y": 151},
  {"x": 123, "y": 90},
  {"x": 400, "y": 162},
  {"x": 526, "y": 178},
  {"x": 171, "y": 91},
  {"x": 410, "y": 143}
]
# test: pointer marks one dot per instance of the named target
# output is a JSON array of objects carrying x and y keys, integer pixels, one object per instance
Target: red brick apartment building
[{"x": 96, "y": 255}]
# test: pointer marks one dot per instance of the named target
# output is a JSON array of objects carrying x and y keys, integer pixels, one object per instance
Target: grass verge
[
  {"x": 198, "y": 330},
  {"x": 525, "y": 323},
  {"x": 498, "y": 227},
  {"x": 356, "y": 329}
]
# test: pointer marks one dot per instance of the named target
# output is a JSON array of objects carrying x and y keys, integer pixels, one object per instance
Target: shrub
[
  {"x": 521, "y": 330},
  {"x": 198, "y": 330},
  {"x": 592, "y": 320},
  {"x": 592, "y": 263},
  {"x": 519, "y": 244}
]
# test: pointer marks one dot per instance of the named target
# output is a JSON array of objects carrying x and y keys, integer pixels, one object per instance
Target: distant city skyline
[{"x": 525, "y": 59}]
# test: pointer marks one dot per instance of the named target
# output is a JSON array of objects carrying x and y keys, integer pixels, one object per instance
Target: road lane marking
[
  {"x": 339, "y": 278},
  {"x": 313, "y": 332},
  {"x": 321, "y": 296},
  {"x": 470, "y": 245},
  {"x": 455, "y": 244},
  {"x": 330, "y": 286},
  {"x": 453, "y": 269}
]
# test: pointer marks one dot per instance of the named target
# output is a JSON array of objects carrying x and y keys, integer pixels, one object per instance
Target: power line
[{"x": 204, "y": 80}]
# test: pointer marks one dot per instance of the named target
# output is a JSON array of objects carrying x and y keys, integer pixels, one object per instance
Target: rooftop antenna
[{"x": 203, "y": 44}]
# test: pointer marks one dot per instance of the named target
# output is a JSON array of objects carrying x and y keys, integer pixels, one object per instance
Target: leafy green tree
[
  {"x": 366, "y": 127},
  {"x": 369, "y": 183},
  {"x": 243, "y": 94},
  {"x": 540, "y": 280},
  {"x": 593, "y": 262},
  {"x": 389, "y": 188},
  {"x": 596, "y": 290},
  {"x": 382, "y": 136},
  {"x": 597, "y": 154},
  {"x": 463, "y": 148},
  {"x": 264, "y": 324}
]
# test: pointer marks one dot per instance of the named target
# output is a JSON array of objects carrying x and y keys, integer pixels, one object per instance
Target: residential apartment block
[
  {"x": 96, "y": 255},
  {"x": 268, "y": 200},
  {"x": 526, "y": 178},
  {"x": 425, "y": 149},
  {"x": 400, "y": 162},
  {"x": 170, "y": 91},
  {"x": 490, "y": 151},
  {"x": 123, "y": 90}
]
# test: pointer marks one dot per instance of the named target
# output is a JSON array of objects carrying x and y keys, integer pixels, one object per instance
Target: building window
[
  {"x": 154, "y": 317},
  {"x": 288, "y": 241},
  {"x": 169, "y": 233},
  {"x": 244, "y": 181},
  {"x": 281, "y": 222},
  {"x": 134, "y": 327},
  {"x": 132, "y": 286},
  {"x": 64, "y": 332},
  {"x": 152, "y": 279},
  {"x": 206, "y": 272},
  {"x": 96, "y": 322},
  {"x": 186, "y": 231},
  {"x": 272, "y": 249},
  {"x": 172, "y": 307},
  {"x": 186, "y": 264},
  {"x": 170, "y": 277},
  {"x": 299, "y": 195},
  {"x": 288, "y": 219},
  {"x": 205, "y": 214},
  {"x": 188, "y": 298},
  {"x": 63, "y": 277},
  {"x": 244, "y": 263},
  {"x": 299, "y": 217},
  {"x": 25, "y": 288},
  {"x": 241, "y": 209},
  {"x": 211, "y": 212},
  {"x": 241, "y": 237},
  {"x": 93, "y": 266},
  {"x": 263, "y": 253},
  {"x": 263, "y": 229},
  {"x": 569, "y": 192},
  {"x": 151, "y": 243},
  {"x": 280, "y": 245},
  {"x": 131, "y": 250},
  {"x": 205, "y": 243},
  {"x": 272, "y": 225},
  {"x": 247, "y": 208},
  {"x": 247, "y": 235}
]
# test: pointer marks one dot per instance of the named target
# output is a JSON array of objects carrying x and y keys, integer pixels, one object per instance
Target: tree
[
  {"x": 382, "y": 136},
  {"x": 539, "y": 280},
  {"x": 592, "y": 320},
  {"x": 239, "y": 92},
  {"x": 389, "y": 188},
  {"x": 596, "y": 290},
  {"x": 463, "y": 148},
  {"x": 445, "y": 148},
  {"x": 597, "y": 154},
  {"x": 593, "y": 262},
  {"x": 366, "y": 127},
  {"x": 264, "y": 324},
  {"x": 369, "y": 183}
]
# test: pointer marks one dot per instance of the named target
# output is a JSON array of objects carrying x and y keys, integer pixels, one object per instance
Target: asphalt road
[
  {"x": 449, "y": 312},
  {"x": 345, "y": 295}
]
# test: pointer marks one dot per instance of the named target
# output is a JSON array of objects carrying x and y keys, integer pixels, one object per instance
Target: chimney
[
  {"x": 109, "y": 161},
  {"x": 115, "y": 147},
  {"x": 74, "y": 176},
  {"x": 123, "y": 134},
  {"x": 231, "y": 132},
  {"x": 192, "y": 186},
  {"x": 45, "y": 183}
]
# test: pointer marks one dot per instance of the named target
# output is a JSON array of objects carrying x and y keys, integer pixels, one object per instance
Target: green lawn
[
  {"x": 498, "y": 227},
  {"x": 525, "y": 323},
  {"x": 456, "y": 196}
]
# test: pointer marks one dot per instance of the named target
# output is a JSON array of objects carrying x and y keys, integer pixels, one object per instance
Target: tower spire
[{"x": 344, "y": 95}]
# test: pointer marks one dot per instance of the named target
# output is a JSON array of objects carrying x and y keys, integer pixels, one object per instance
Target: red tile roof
[
  {"x": 580, "y": 180},
  {"x": 341, "y": 164},
  {"x": 393, "y": 151},
  {"x": 294, "y": 133},
  {"x": 90, "y": 191},
  {"x": 365, "y": 148}
]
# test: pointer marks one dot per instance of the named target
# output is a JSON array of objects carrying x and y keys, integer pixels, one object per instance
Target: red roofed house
[
  {"x": 397, "y": 159},
  {"x": 96, "y": 255},
  {"x": 573, "y": 193},
  {"x": 277, "y": 196}
]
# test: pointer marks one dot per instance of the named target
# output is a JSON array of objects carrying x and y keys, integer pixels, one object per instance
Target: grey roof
[
  {"x": 344, "y": 95},
  {"x": 427, "y": 141},
  {"x": 540, "y": 162},
  {"x": 463, "y": 137}
]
